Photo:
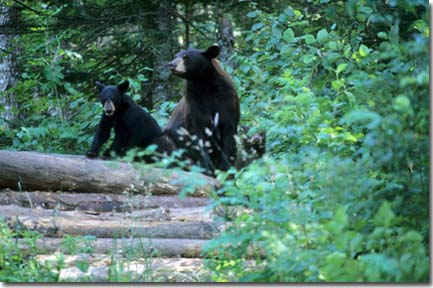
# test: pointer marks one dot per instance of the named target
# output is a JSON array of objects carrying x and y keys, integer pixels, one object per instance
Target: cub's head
[
  {"x": 192, "y": 64},
  {"x": 111, "y": 97},
  {"x": 254, "y": 142}
]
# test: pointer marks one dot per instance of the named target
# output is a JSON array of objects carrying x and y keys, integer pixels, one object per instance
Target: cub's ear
[
  {"x": 100, "y": 86},
  {"x": 123, "y": 86},
  {"x": 212, "y": 52}
]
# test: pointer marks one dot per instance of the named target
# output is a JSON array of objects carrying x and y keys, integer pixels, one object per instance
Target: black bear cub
[
  {"x": 209, "y": 112},
  {"x": 133, "y": 127},
  {"x": 253, "y": 146}
]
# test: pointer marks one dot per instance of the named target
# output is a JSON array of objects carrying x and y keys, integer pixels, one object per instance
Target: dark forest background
[{"x": 340, "y": 87}]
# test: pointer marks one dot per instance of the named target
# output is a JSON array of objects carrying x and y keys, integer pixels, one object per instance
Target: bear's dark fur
[
  {"x": 133, "y": 127},
  {"x": 253, "y": 146},
  {"x": 209, "y": 110}
]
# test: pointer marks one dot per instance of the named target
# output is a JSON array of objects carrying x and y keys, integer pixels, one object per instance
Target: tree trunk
[
  {"x": 40, "y": 171},
  {"x": 226, "y": 39},
  {"x": 188, "y": 17},
  {"x": 162, "y": 89},
  {"x": 8, "y": 54}
]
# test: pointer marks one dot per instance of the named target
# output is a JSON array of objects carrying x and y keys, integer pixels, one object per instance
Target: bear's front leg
[
  {"x": 101, "y": 136},
  {"x": 228, "y": 153},
  {"x": 115, "y": 147},
  {"x": 201, "y": 142}
]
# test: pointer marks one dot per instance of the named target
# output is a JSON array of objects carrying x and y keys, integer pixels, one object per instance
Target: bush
[{"x": 339, "y": 197}]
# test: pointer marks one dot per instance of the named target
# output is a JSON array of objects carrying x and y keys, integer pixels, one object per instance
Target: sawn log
[{"x": 30, "y": 171}]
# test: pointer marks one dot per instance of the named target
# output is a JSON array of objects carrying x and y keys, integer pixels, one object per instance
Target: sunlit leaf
[{"x": 363, "y": 50}]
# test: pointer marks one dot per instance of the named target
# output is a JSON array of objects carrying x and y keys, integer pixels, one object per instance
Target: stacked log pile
[{"x": 126, "y": 224}]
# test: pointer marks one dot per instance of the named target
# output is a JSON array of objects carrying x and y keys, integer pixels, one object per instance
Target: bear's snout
[
  {"x": 171, "y": 65},
  {"x": 109, "y": 108},
  {"x": 177, "y": 66}
]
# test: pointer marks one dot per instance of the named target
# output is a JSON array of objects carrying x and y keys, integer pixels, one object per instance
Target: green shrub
[{"x": 343, "y": 193}]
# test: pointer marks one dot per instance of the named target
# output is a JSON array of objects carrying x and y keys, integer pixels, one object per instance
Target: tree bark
[
  {"x": 226, "y": 38},
  {"x": 162, "y": 89},
  {"x": 31, "y": 171},
  {"x": 8, "y": 66}
]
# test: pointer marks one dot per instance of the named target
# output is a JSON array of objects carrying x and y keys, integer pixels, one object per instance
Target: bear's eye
[{"x": 184, "y": 56}]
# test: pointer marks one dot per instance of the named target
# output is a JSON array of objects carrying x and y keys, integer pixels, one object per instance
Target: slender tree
[
  {"x": 163, "y": 51},
  {"x": 8, "y": 64}
]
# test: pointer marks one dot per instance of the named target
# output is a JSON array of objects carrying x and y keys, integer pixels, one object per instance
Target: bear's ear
[
  {"x": 123, "y": 86},
  {"x": 100, "y": 86},
  {"x": 212, "y": 52}
]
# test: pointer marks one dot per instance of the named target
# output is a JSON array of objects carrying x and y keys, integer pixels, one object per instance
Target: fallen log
[
  {"x": 142, "y": 270},
  {"x": 121, "y": 247},
  {"x": 31, "y": 171},
  {"x": 66, "y": 201},
  {"x": 156, "y": 224}
]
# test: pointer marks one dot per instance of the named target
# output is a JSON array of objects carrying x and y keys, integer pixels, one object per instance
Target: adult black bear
[
  {"x": 209, "y": 110},
  {"x": 133, "y": 127}
]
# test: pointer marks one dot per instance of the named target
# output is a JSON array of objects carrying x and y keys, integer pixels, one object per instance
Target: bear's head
[
  {"x": 111, "y": 97},
  {"x": 253, "y": 143},
  {"x": 193, "y": 64}
]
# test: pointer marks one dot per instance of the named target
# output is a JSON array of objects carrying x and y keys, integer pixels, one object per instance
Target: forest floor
[{"x": 108, "y": 237}]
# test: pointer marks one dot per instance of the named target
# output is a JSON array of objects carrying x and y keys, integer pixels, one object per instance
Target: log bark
[
  {"x": 158, "y": 223},
  {"x": 121, "y": 247},
  {"x": 142, "y": 270},
  {"x": 64, "y": 201},
  {"x": 32, "y": 171}
]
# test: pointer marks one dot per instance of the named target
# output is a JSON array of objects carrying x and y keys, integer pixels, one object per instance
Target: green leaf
[
  {"x": 289, "y": 12},
  {"x": 382, "y": 35},
  {"x": 363, "y": 50},
  {"x": 366, "y": 10},
  {"x": 372, "y": 119},
  {"x": 257, "y": 26},
  {"x": 349, "y": 137},
  {"x": 276, "y": 34},
  {"x": 308, "y": 58},
  {"x": 411, "y": 236},
  {"x": 252, "y": 14},
  {"x": 347, "y": 50},
  {"x": 356, "y": 242},
  {"x": 338, "y": 84},
  {"x": 282, "y": 18},
  {"x": 384, "y": 215},
  {"x": 422, "y": 27},
  {"x": 341, "y": 67},
  {"x": 142, "y": 78},
  {"x": 289, "y": 35},
  {"x": 339, "y": 221},
  {"x": 73, "y": 104},
  {"x": 322, "y": 35},
  {"x": 332, "y": 45},
  {"x": 402, "y": 104},
  {"x": 309, "y": 39}
]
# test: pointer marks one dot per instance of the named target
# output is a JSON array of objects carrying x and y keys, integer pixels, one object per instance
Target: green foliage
[
  {"x": 343, "y": 193},
  {"x": 340, "y": 87},
  {"x": 18, "y": 266}
]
